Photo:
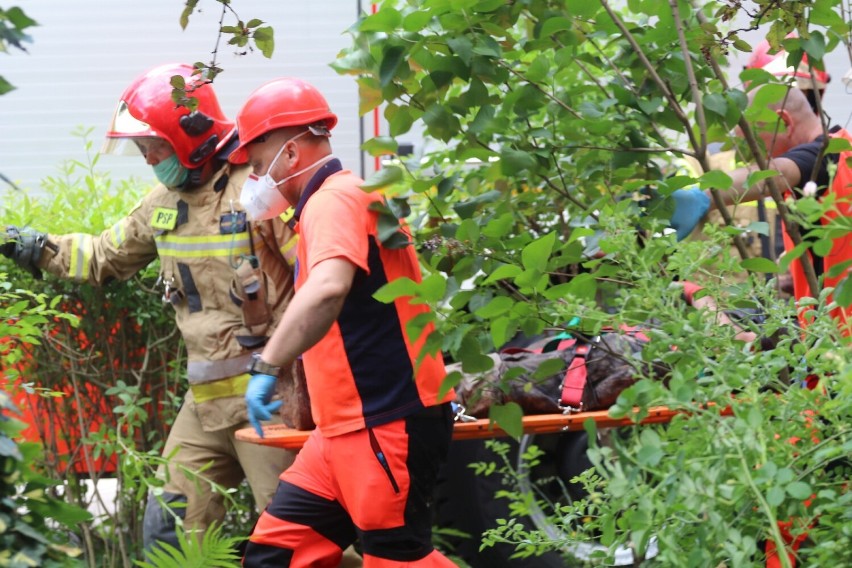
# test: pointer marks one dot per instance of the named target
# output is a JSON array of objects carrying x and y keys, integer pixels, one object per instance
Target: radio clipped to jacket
[{"x": 249, "y": 292}]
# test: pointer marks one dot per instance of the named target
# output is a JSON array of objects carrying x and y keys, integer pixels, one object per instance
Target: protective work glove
[
  {"x": 691, "y": 205},
  {"x": 259, "y": 393},
  {"x": 24, "y": 246}
]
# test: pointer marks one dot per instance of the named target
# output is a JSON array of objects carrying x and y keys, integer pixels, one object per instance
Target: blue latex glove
[
  {"x": 258, "y": 395},
  {"x": 691, "y": 205}
]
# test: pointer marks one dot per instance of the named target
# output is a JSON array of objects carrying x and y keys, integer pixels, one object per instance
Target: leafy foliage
[
  {"x": 13, "y": 25},
  {"x": 214, "y": 550},
  {"x": 547, "y": 124},
  {"x": 32, "y": 519},
  {"x": 244, "y": 36}
]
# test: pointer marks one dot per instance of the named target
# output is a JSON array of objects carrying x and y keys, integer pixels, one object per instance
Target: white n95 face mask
[
  {"x": 260, "y": 196},
  {"x": 260, "y": 199}
]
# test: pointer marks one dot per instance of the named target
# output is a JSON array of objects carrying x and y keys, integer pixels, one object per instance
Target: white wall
[{"x": 84, "y": 53}]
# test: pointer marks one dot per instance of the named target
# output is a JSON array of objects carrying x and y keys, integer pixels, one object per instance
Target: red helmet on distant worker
[
  {"x": 278, "y": 104},
  {"x": 776, "y": 63},
  {"x": 146, "y": 109}
]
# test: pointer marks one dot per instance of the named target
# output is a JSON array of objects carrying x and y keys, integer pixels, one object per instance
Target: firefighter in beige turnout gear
[{"x": 227, "y": 279}]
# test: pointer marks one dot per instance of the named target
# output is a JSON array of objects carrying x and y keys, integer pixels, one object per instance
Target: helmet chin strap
[
  {"x": 197, "y": 177},
  {"x": 200, "y": 175}
]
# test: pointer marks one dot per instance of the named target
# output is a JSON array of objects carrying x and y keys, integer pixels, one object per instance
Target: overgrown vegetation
[
  {"x": 545, "y": 122},
  {"x": 34, "y": 522}
]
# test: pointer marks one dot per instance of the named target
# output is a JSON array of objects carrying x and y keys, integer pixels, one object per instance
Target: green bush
[
  {"x": 546, "y": 125},
  {"x": 34, "y": 524}
]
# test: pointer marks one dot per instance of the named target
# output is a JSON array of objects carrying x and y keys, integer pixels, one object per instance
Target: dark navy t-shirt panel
[
  {"x": 805, "y": 158},
  {"x": 376, "y": 348}
]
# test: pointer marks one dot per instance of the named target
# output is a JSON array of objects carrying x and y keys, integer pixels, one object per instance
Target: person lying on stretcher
[{"x": 593, "y": 370}]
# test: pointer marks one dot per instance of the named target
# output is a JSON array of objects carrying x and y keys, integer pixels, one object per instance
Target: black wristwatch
[{"x": 260, "y": 367}]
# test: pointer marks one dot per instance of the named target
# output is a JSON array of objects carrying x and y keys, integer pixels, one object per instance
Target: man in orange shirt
[
  {"x": 383, "y": 427},
  {"x": 796, "y": 154}
]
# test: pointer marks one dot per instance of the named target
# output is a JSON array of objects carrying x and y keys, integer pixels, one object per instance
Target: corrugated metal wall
[{"x": 84, "y": 53}]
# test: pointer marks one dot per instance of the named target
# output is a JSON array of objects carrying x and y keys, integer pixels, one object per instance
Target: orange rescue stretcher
[{"x": 280, "y": 436}]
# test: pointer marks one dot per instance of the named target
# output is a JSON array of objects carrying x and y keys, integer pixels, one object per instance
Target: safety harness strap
[{"x": 574, "y": 382}]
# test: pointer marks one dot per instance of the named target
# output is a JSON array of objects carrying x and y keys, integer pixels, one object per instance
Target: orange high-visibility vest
[{"x": 841, "y": 250}]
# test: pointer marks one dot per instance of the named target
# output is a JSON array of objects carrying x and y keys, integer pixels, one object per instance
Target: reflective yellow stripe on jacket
[
  {"x": 212, "y": 245},
  {"x": 234, "y": 386},
  {"x": 81, "y": 255},
  {"x": 288, "y": 251}
]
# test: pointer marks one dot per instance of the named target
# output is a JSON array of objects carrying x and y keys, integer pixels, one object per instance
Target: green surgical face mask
[{"x": 171, "y": 172}]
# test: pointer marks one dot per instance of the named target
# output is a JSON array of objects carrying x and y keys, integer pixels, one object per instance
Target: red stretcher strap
[
  {"x": 574, "y": 382},
  {"x": 280, "y": 436}
]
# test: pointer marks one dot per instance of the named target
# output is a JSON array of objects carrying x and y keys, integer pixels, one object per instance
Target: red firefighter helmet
[
  {"x": 147, "y": 109},
  {"x": 278, "y": 104},
  {"x": 776, "y": 63}
]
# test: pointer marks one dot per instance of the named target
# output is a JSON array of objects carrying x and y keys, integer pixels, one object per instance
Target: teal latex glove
[
  {"x": 691, "y": 205},
  {"x": 258, "y": 396}
]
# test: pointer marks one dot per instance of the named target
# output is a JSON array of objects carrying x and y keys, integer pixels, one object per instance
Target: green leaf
[
  {"x": 583, "y": 286},
  {"x": 498, "y": 306},
  {"x": 442, "y": 124},
  {"x": 760, "y": 264},
  {"x": 839, "y": 268},
  {"x": 536, "y": 254},
  {"x": 486, "y": 6},
  {"x": 509, "y": 417},
  {"x": 5, "y": 86},
  {"x": 391, "y": 59},
  {"x": 583, "y": 9},
  {"x": 380, "y": 146},
  {"x": 716, "y": 103},
  {"x": 798, "y": 250},
  {"x": 650, "y": 456},
  {"x": 758, "y": 176},
  {"x": 822, "y": 247},
  {"x": 416, "y": 21},
  {"x": 554, "y": 25},
  {"x": 385, "y": 20},
  {"x": 759, "y": 227},
  {"x": 502, "y": 330},
  {"x": 715, "y": 179},
  {"x": 20, "y": 20},
  {"x": 539, "y": 69},
  {"x": 837, "y": 145},
  {"x": 503, "y": 272},
  {"x": 765, "y": 96},
  {"x": 843, "y": 292},
  {"x": 499, "y": 227},
  {"x": 461, "y": 46},
  {"x": 514, "y": 161},
  {"x": 433, "y": 288},
  {"x": 264, "y": 39},
  {"x": 399, "y": 288},
  {"x": 826, "y": 14},
  {"x": 742, "y": 45},
  {"x": 386, "y": 176},
  {"x": 814, "y": 46},
  {"x": 799, "y": 490},
  {"x": 775, "y": 496},
  {"x": 187, "y": 12}
]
